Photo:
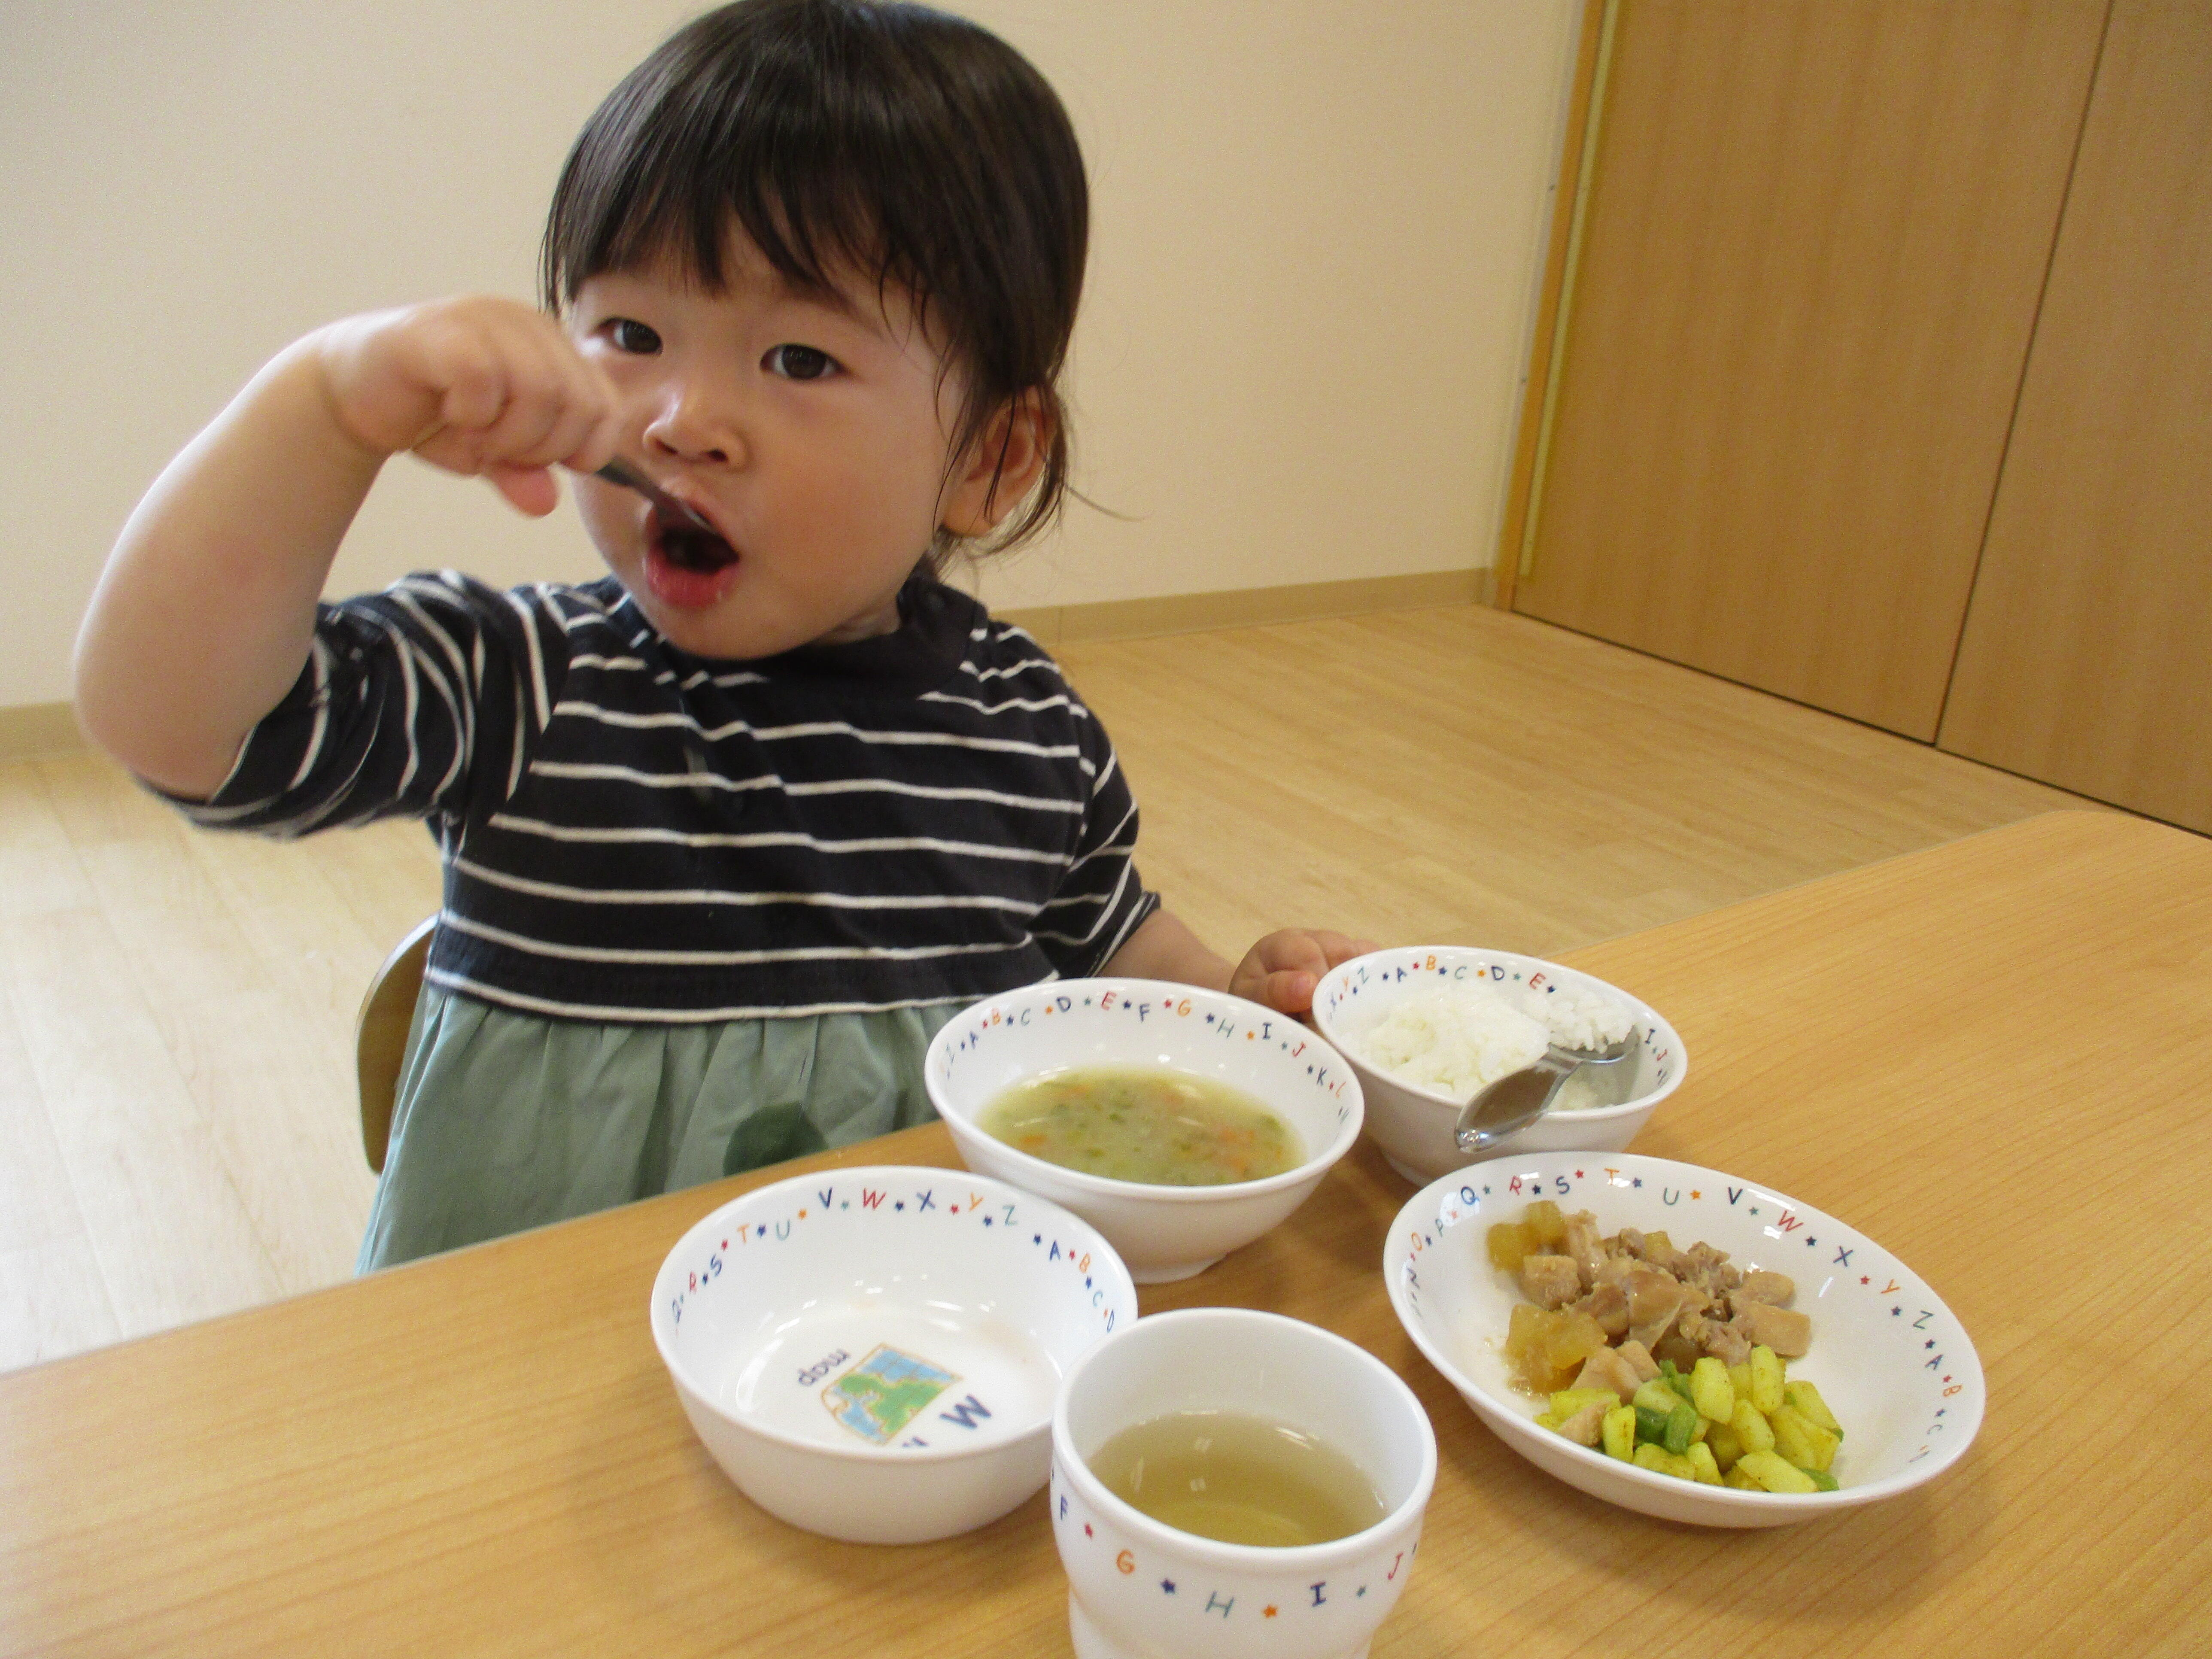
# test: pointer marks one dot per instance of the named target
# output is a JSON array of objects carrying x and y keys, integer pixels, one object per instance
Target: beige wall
[{"x": 1316, "y": 234}]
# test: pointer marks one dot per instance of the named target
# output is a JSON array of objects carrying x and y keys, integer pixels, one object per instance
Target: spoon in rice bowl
[{"x": 1517, "y": 1100}]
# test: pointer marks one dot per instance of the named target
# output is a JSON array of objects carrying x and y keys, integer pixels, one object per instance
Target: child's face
[{"x": 815, "y": 436}]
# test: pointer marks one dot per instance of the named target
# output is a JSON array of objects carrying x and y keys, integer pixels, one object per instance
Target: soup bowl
[
  {"x": 1412, "y": 1123},
  {"x": 1139, "y": 1589},
  {"x": 1161, "y": 1232},
  {"x": 873, "y": 1353}
]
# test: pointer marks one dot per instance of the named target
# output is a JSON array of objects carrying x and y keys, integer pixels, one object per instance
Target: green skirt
[{"x": 505, "y": 1120}]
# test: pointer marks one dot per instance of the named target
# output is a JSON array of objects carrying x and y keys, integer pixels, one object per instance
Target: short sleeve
[
  {"x": 422, "y": 700},
  {"x": 1101, "y": 900}
]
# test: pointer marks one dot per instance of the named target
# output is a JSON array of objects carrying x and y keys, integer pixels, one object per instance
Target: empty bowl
[
  {"x": 873, "y": 1353},
  {"x": 1413, "y": 1124},
  {"x": 1163, "y": 1232},
  {"x": 1891, "y": 1361}
]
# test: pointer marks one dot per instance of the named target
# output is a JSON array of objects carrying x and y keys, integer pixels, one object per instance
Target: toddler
[{"x": 728, "y": 834}]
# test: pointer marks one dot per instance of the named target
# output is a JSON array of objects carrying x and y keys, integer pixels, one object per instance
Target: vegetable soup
[{"x": 1145, "y": 1124}]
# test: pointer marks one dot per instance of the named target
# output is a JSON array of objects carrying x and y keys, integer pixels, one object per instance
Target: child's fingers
[
  {"x": 1290, "y": 990},
  {"x": 531, "y": 489},
  {"x": 512, "y": 391}
]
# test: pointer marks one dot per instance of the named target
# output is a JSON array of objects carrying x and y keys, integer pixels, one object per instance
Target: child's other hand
[
  {"x": 480, "y": 387},
  {"x": 1283, "y": 968}
]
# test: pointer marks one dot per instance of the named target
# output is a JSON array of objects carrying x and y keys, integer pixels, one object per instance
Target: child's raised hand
[
  {"x": 480, "y": 387},
  {"x": 1283, "y": 968}
]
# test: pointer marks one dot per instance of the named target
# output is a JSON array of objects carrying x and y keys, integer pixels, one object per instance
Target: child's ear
[{"x": 1000, "y": 468}]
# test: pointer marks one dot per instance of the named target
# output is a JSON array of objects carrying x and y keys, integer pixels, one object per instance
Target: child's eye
[
  {"x": 631, "y": 336},
  {"x": 799, "y": 362}
]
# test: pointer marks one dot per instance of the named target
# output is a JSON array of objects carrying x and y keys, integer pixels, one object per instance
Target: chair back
[{"x": 380, "y": 1036}]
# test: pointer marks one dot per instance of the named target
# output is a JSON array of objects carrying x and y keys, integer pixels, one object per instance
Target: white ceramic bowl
[
  {"x": 1414, "y": 1125},
  {"x": 873, "y": 1353},
  {"x": 1161, "y": 1232},
  {"x": 1137, "y": 1587},
  {"x": 1891, "y": 1360}
]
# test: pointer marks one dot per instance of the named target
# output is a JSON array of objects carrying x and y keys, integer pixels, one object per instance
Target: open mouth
[{"x": 685, "y": 565}]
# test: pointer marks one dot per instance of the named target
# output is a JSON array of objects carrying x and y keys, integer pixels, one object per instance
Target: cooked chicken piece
[
  {"x": 1776, "y": 1290},
  {"x": 1724, "y": 1342},
  {"x": 1627, "y": 1241},
  {"x": 1586, "y": 1427},
  {"x": 1550, "y": 1281},
  {"x": 1608, "y": 1305},
  {"x": 1615, "y": 1270},
  {"x": 1711, "y": 1271},
  {"x": 1584, "y": 1245},
  {"x": 1654, "y": 1300},
  {"x": 1639, "y": 1360},
  {"x": 1610, "y": 1371},
  {"x": 1788, "y": 1333}
]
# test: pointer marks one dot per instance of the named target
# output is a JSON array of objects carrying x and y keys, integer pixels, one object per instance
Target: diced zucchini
[
  {"x": 1727, "y": 1445},
  {"x": 1751, "y": 1430},
  {"x": 1681, "y": 1427},
  {"x": 1806, "y": 1399},
  {"x": 1800, "y": 1440},
  {"x": 1711, "y": 1391},
  {"x": 1765, "y": 1379},
  {"x": 1775, "y": 1474},
  {"x": 1654, "y": 1395},
  {"x": 1662, "y": 1462},
  {"x": 1619, "y": 1435},
  {"x": 1823, "y": 1480},
  {"x": 1651, "y": 1425}
]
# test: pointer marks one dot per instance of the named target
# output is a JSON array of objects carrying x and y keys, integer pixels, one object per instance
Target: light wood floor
[{"x": 178, "y": 1130}]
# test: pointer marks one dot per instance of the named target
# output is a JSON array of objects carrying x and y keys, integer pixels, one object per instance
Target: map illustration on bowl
[{"x": 886, "y": 1391}]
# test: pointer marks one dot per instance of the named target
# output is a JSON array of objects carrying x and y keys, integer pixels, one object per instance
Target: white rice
[{"x": 1456, "y": 1039}]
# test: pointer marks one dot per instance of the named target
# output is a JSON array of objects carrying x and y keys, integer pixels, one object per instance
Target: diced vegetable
[
  {"x": 1707, "y": 1472},
  {"x": 1799, "y": 1439},
  {"x": 1726, "y": 1444},
  {"x": 1775, "y": 1474},
  {"x": 1546, "y": 1226},
  {"x": 1619, "y": 1433},
  {"x": 1508, "y": 1242},
  {"x": 1660, "y": 1460},
  {"x": 1752, "y": 1431},
  {"x": 1765, "y": 1379},
  {"x": 1711, "y": 1391},
  {"x": 1806, "y": 1399},
  {"x": 1681, "y": 1427}
]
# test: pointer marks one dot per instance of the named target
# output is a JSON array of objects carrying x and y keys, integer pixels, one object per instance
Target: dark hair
[{"x": 889, "y": 141}]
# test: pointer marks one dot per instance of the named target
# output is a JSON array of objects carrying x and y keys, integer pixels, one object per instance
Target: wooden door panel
[
  {"x": 1815, "y": 245},
  {"x": 2086, "y": 658}
]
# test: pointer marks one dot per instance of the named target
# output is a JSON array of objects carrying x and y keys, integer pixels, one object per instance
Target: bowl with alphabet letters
[
  {"x": 873, "y": 1353},
  {"x": 1181, "y": 1123}
]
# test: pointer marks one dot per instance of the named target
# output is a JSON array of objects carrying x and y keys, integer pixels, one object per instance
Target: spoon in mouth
[{"x": 620, "y": 471}]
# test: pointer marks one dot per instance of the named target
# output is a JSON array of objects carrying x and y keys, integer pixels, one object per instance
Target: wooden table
[{"x": 1991, "y": 1057}]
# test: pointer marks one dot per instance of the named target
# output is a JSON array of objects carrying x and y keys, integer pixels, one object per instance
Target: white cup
[{"x": 1140, "y": 1587}]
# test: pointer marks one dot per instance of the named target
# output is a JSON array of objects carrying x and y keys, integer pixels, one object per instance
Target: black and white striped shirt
[{"x": 633, "y": 834}]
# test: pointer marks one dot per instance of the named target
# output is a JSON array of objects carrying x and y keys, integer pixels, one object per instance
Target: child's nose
[{"x": 695, "y": 424}]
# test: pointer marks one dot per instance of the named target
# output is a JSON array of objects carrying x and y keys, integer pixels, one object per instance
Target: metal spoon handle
[{"x": 620, "y": 471}]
